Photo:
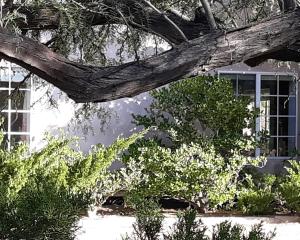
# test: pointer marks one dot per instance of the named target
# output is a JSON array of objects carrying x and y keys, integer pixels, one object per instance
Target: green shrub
[
  {"x": 149, "y": 221},
  {"x": 183, "y": 108},
  {"x": 290, "y": 187},
  {"x": 199, "y": 176},
  {"x": 258, "y": 197},
  {"x": 227, "y": 231},
  {"x": 44, "y": 193},
  {"x": 187, "y": 228}
]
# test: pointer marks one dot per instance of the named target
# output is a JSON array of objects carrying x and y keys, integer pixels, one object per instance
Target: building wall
[{"x": 54, "y": 120}]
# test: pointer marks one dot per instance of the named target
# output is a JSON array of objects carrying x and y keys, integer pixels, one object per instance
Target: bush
[
  {"x": 199, "y": 176},
  {"x": 227, "y": 231},
  {"x": 43, "y": 193},
  {"x": 258, "y": 197},
  {"x": 149, "y": 221},
  {"x": 187, "y": 228},
  {"x": 290, "y": 187},
  {"x": 200, "y": 110}
]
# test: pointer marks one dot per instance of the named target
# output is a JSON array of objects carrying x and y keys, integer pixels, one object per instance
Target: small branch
[
  {"x": 167, "y": 19},
  {"x": 209, "y": 15},
  {"x": 228, "y": 13}
]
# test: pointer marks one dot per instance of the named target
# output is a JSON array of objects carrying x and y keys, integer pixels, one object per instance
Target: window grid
[
  {"x": 258, "y": 100},
  {"x": 6, "y": 70}
]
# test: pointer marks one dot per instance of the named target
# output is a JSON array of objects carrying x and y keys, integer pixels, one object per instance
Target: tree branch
[
  {"x": 138, "y": 14},
  {"x": 209, "y": 15},
  {"x": 85, "y": 83}
]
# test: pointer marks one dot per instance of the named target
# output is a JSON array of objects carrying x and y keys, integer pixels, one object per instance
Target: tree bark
[{"x": 85, "y": 83}]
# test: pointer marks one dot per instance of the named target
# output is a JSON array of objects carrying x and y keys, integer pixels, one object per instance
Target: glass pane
[
  {"x": 286, "y": 85},
  {"x": 19, "y": 122},
  {"x": 232, "y": 77},
  {"x": 3, "y": 99},
  {"x": 5, "y": 74},
  {"x": 4, "y": 118},
  {"x": 268, "y": 106},
  {"x": 270, "y": 148},
  {"x": 246, "y": 84},
  {"x": 269, "y": 124},
  {"x": 16, "y": 139},
  {"x": 286, "y": 146},
  {"x": 24, "y": 85},
  {"x": 287, "y": 126},
  {"x": 287, "y": 106},
  {"x": 21, "y": 101},
  {"x": 18, "y": 74},
  {"x": 4, "y": 143},
  {"x": 268, "y": 85}
]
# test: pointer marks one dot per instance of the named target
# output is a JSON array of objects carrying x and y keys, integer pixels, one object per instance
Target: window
[
  {"x": 275, "y": 96},
  {"x": 15, "y": 112}
]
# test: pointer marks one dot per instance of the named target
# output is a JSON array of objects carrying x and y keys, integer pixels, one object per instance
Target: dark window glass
[
  {"x": 3, "y": 99},
  {"x": 271, "y": 150},
  {"x": 21, "y": 100},
  {"x": 269, "y": 85},
  {"x": 4, "y": 121},
  {"x": 4, "y": 143},
  {"x": 287, "y": 106},
  {"x": 269, "y": 124},
  {"x": 17, "y": 139},
  {"x": 287, "y": 126},
  {"x": 24, "y": 85},
  {"x": 268, "y": 105},
  {"x": 286, "y": 146},
  {"x": 286, "y": 85},
  {"x": 232, "y": 77},
  {"x": 246, "y": 84},
  {"x": 19, "y": 122}
]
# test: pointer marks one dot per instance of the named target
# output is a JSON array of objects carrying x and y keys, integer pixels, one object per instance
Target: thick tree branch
[
  {"x": 85, "y": 83},
  {"x": 138, "y": 14}
]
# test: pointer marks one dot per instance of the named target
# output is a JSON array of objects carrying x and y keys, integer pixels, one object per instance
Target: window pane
[
  {"x": 232, "y": 77},
  {"x": 19, "y": 122},
  {"x": 21, "y": 101},
  {"x": 286, "y": 146},
  {"x": 287, "y": 106},
  {"x": 270, "y": 148},
  {"x": 269, "y": 124},
  {"x": 246, "y": 84},
  {"x": 268, "y": 85},
  {"x": 4, "y": 143},
  {"x": 3, "y": 99},
  {"x": 17, "y": 139},
  {"x": 4, "y": 125},
  {"x": 287, "y": 126},
  {"x": 286, "y": 85},
  {"x": 268, "y": 106}
]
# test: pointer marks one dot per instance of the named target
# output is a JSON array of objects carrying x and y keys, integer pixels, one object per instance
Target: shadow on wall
[{"x": 58, "y": 120}]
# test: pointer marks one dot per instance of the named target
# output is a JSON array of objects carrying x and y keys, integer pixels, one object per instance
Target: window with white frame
[
  {"x": 275, "y": 96},
  {"x": 15, "y": 111}
]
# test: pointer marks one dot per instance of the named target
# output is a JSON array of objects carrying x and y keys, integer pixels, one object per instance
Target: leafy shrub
[
  {"x": 187, "y": 228},
  {"x": 227, "y": 231},
  {"x": 43, "y": 193},
  {"x": 290, "y": 186},
  {"x": 184, "y": 110},
  {"x": 149, "y": 221},
  {"x": 258, "y": 197},
  {"x": 199, "y": 176}
]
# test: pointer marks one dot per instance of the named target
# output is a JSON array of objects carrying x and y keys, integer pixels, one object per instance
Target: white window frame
[
  {"x": 258, "y": 75},
  {"x": 9, "y": 110}
]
